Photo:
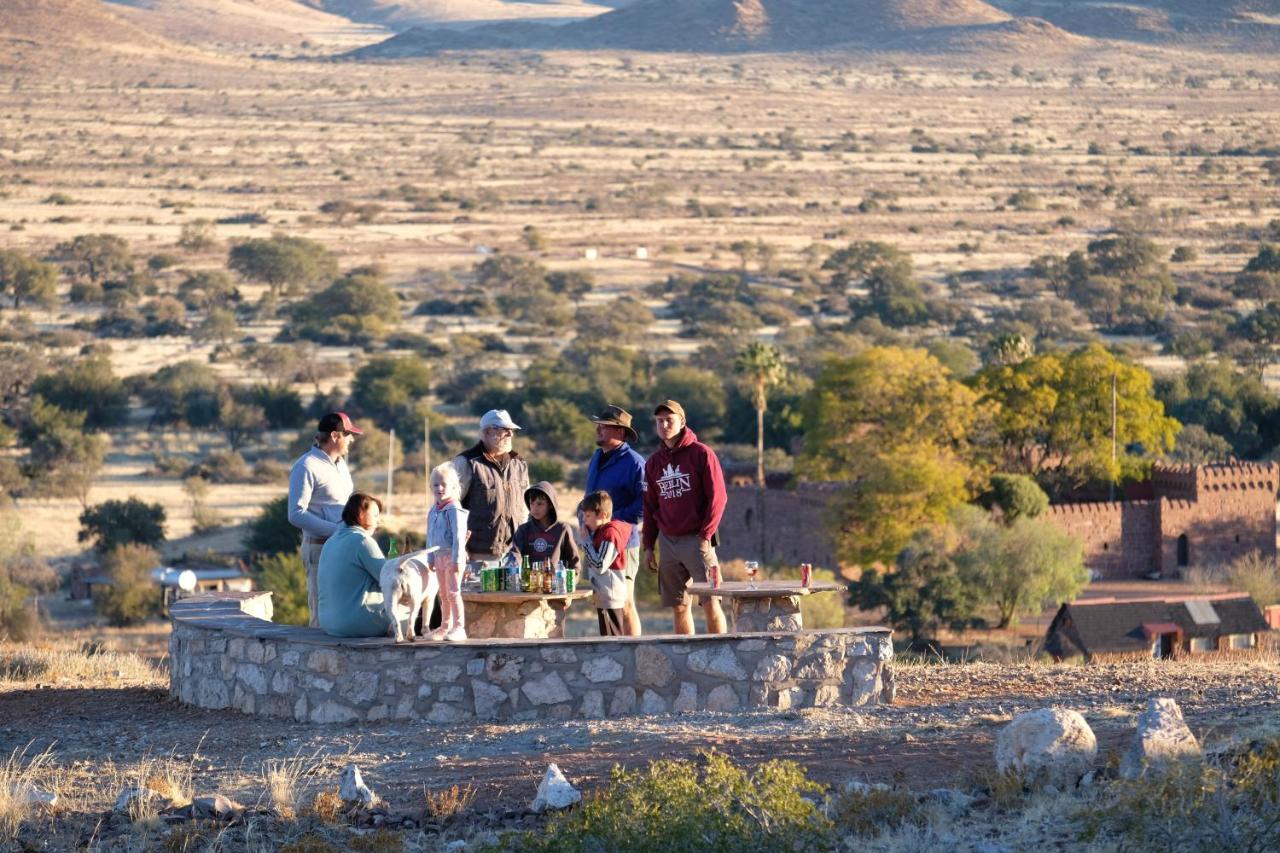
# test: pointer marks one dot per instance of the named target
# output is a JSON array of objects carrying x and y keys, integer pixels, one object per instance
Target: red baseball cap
[{"x": 338, "y": 422}]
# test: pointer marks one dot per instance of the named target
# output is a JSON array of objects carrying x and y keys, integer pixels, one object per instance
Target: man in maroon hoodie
[{"x": 684, "y": 498}]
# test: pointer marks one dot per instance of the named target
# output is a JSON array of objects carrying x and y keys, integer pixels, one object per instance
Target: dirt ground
[{"x": 939, "y": 734}]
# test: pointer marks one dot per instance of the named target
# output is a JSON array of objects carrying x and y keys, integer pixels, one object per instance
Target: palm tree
[{"x": 761, "y": 366}]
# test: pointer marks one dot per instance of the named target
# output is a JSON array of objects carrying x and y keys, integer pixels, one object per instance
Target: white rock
[
  {"x": 548, "y": 690},
  {"x": 555, "y": 792},
  {"x": 352, "y": 788},
  {"x": 602, "y": 669},
  {"x": 719, "y": 662},
  {"x": 32, "y": 795},
  {"x": 1162, "y": 737},
  {"x": 1051, "y": 746}
]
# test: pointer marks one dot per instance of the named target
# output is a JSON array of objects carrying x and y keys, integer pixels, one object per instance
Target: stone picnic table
[
  {"x": 518, "y": 615},
  {"x": 771, "y": 606}
]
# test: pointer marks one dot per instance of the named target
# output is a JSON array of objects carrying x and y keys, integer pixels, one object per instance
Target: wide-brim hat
[{"x": 619, "y": 417}]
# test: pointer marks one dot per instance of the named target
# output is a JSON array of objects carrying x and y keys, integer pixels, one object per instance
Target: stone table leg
[
  {"x": 767, "y": 614},
  {"x": 560, "y": 610},
  {"x": 527, "y": 620}
]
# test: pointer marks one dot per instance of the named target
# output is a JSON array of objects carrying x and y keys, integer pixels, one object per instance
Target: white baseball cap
[{"x": 497, "y": 418}]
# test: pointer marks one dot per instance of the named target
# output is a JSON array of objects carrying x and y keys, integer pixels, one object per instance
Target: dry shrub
[
  {"x": 168, "y": 780},
  {"x": 1257, "y": 575},
  {"x": 447, "y": 803},
  {"x": 18, "y": 778},
  {"x": 382, "y": 841},
  {"x": 868, "y": 811},
  {"x": 1005, "y": 789},
  {"x": 326, "y": 805},
  {"x": 310, "y": 843}
]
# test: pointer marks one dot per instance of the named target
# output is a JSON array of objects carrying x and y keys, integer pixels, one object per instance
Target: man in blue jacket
[{"x": 618, "y": 469}]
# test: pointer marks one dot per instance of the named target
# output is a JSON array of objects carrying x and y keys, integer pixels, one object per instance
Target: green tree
[
  {"x": 132, "y": 597},
  {"x": 761, "y": 368},
  {"x": 701, "y": 392},
  {"x": 923, "y": 592},
  {"x": 219, "y": 326},
  {"x": 510, "y": 273},
  {"x": 894, "y": 295},
  {"x": 1015, "y": 496},
  {"x": 184, "y": 392},
  {"x": 390, "y": 390},
  {"x": 1021, "y": 567},
  {"x": 23, "y": 277},
  {"x": 1053, "y": 418},
  {"x": 271, "y": 532},
  {"x": 285, "y": 264},
  {"x": 99, "y": 258},
  {"x": 895, "y": 427},
  {"x": 560, "y": 427},
  {"x": 1197, "y": 446},
  {"x": 198, "y": 235},
  {"x": 208, "y": 289},
  {"x": 358, "y": 308},
  {"x": 283, "y": 576},
  {"x": 113, "y": 523},
  {"x": 239, "y": 421},
  {"x": 63, "y": 458},
  {"x": 1226, "y": 402},
  {"x": 87, "y": 385}
]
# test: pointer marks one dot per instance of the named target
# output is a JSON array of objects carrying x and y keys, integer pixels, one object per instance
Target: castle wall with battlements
[{"x": 1224, "y": 511}]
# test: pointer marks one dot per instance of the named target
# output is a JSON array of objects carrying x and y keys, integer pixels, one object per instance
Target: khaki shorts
[{"x": 682, "y": 559}]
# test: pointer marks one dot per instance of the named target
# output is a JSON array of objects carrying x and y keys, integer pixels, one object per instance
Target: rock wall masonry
[{"x": 223, "y": 658}]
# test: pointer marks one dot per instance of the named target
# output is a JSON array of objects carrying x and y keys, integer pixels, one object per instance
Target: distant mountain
[
  {"x": 1250, "y": 22},
  {"x": 66, "y": 23},
  {"x": 232, "y": 21},
  {"x": 402, "y": 14},
  {"x": 714, "y": 26}
]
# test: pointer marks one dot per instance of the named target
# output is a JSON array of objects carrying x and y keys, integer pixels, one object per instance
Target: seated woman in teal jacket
[{"x": 348, "y": 576}]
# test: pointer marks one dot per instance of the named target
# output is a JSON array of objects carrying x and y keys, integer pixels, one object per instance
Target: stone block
[
  {"x": 452, "y": 693},
  {"x": 475, "y": 666},
  {"x": 300, "y": 709},
  {"x": 502, "y": 668},
  {"x": 772, "y": 668},
  {"x": 723, "y": 698},
  {"x": 290, "y": 658},
  {"x": 441, "y": 673},
  {"x": 235, "y": 647},
  {"x": 424, "y": 691},
  {"x": 860, "y": 678},
  {"x": 404, "y": 709},
  {"x": 442, "y": 712},
  {"x": 359, "y": 688},
  {"x": 322, "y": 684},
  {"x": 377, "y": 712},
  {"x": 624, "y": 702},
  {"x": 212, "y": 693},
  {"x": 718, "y": 661},
  {"x": 333, "y": 712},
  {"x": 426, "y": 654},
  {"x": 548, "y": 690},
  {"x": 487, "y": 699},
  {"x": 405, "y": 673},
  {"x": 652, "y": 703},
  {"x": 687, "y": 701},
  {"x": 324, "y": 660},
  {"x": 258, "y": 652},
  {"x": 823, "y": 667},
  {"x": 653, "y": 667},
  {"x": 751, "y": 646},
  {"x": 593, "y": 704},
  {"x": 559, "y": 656},
  {"x": 253, "y": 677},
  {"x": 601, "y": 669},
  {"x": 792, "y": 697},
  {"x": 826, "y": 695}
]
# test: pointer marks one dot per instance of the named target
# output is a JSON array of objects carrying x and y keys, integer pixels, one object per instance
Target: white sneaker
[
  {"x": 456, "y": 635},
  {"x": 436, "y": 635}
]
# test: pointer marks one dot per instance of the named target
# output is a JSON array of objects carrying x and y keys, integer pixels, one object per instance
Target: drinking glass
[{"x": 753, "y": 568}]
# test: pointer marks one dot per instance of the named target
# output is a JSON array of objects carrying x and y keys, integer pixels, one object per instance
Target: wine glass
[{"x": 753, "y": 568}]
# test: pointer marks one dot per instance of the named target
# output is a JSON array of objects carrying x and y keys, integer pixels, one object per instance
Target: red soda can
[
  {"x": 806, "y": 574},
  {"x": 713, "y": 576}
]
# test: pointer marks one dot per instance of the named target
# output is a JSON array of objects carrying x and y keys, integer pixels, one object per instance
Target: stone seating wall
[{"x": 226, "y": 653}]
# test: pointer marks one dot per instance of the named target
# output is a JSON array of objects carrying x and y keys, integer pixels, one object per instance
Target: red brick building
[{"x": 1197, "y": 515}]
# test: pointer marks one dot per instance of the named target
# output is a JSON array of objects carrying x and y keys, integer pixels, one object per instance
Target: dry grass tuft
[
  {"x": 17, "y": 783},
  {"x": 326, "y": 805},
  {"x": 382, "y": 841},
  {"x": 310, "y": 843},
  {"x": 23, "y": 663},
  {"x": 282, "y": 778},
  {"x": 168, "y": 781},
  {"x": 447, "y": 803}
]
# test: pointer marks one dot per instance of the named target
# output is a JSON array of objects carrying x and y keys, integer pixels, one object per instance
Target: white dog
[{"x": 408, "y": 583}]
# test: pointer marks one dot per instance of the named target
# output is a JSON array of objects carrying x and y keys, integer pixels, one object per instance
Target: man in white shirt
[{"x": 319, "y": 486}]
